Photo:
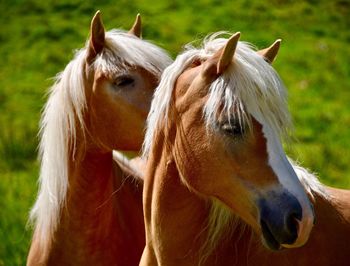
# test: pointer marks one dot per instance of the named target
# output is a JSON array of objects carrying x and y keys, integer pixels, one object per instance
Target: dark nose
[{"x": 279, "y": 212}]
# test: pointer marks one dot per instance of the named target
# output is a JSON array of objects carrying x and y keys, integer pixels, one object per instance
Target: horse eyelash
[{"x": 123, "y": 80}]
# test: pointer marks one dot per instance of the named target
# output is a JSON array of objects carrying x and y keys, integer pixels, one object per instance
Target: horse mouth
[{"x": 268, "y": 239}]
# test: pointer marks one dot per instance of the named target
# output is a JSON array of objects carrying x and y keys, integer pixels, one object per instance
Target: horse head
[
  {"x": 121, "y": 72},
  {"x": 228, "y": 116}
]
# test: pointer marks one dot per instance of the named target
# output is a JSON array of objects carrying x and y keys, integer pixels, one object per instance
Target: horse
[
  {"x": 218, "y": 186},
  {"x": 89, "y": 209}
]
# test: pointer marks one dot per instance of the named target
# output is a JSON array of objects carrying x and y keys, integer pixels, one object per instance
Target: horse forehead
[
  {"x": 111, "y": 72},
  {"x": 187, "y": 79},
  {"x": 146, "y": 74}
]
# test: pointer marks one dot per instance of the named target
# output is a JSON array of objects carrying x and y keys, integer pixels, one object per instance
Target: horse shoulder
[{"x": 340, "y": 198}]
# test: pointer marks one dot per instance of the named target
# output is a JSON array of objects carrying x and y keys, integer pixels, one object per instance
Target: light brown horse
[
  {"x": 219, "y": 189},
  {"x": 88, "y": 212}
]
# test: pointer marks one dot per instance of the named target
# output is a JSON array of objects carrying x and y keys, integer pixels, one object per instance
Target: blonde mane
[
  {"x": 249, "y": 87},
  {"x": 64, "y": 111}
]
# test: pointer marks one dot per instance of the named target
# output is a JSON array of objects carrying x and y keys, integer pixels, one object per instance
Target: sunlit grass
[{"x": 37, "y": 39}]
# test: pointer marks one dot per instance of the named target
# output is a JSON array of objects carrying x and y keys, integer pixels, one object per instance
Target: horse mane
[
  {"x": 250, "y": 86},
  {"x": 64, "y": 113}
]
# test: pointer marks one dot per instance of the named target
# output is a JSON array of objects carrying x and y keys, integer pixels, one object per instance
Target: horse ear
[
  {"x": 136, "y": 28},
  {"x": 227, "y": 53},
  {"x": 270, "y": 53},
  {"x": 97, "y": 36},
  {"x": 219, "y": 62}
]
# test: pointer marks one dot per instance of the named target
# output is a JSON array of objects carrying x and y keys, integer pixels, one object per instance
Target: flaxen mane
[
  {"x": 249, "y": 87},
  {"x": 65, "y": 110}
]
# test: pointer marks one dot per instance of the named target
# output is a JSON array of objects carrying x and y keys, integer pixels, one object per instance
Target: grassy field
[{"x": 37, "y": 39}]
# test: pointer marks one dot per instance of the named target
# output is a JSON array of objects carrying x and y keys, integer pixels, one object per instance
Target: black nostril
[
  {"x": 292, "y": 207},
  {"x": 292, "y": 227},
  {"x": 279, "y": 216},
  {"x": 293, "y": 214},
  {"x": 296, "y": 210}
]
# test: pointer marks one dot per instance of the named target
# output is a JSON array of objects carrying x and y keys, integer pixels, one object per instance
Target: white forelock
[
  {"x": 249, "y": 87},
  {"x": 123, "y": 51},
  {"x": 64, "y": 111}
]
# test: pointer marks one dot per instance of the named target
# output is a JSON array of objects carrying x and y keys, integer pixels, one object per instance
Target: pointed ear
[
  {"x": 97, "y": 37},
  {"x": 270, "y": 53},
  {"x": 219, "y": 62},
  {"x": 136, "y": 28},
  {"x": 227, "y": 53}
]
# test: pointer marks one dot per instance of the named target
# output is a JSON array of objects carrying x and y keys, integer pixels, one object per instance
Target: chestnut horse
[
  {"x": 218, "y": 187},
  {"x": 88, "y": 212}
]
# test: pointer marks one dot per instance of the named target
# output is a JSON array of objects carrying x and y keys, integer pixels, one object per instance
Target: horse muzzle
[{"x": 282, "y": 221}]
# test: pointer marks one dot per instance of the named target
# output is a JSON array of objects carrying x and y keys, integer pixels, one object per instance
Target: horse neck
[
  {"x": 102, "y": 215},
  {"x": 91, "y": 179},
  {"x": 176, "y": 218},
  {"x": 176, "y": 221}
]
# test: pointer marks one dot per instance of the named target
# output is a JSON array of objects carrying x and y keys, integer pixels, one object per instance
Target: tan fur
[
  {"x": 101, "y": 222},
  {"x": 271, "y": 52},
  {"x": 189, "y": 165},
  {"x": 136, "y": 28}
]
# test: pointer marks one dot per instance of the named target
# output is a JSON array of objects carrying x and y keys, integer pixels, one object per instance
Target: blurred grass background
[{"x": 37, "y": 39}]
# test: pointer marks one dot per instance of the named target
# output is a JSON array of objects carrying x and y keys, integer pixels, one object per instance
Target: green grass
[{"x": 37, "y": 39}]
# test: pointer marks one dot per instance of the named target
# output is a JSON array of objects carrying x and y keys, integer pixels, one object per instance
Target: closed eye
[{"x": 123, "y": 81}]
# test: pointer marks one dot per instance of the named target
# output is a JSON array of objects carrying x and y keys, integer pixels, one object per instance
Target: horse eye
[
  {"x": 123, "y": 81},
  {"x": 232, "y": 129}
]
